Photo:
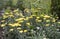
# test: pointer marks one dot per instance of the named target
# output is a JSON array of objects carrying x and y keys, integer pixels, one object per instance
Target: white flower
[
  {"x": 44, "y": 38},
  {"x": 38, "y": 28}
]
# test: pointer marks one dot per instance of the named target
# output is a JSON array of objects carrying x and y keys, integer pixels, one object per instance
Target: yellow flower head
[
  {"x": 39, "y": 20},
  {"x": 6, "y": 13},
  {"x": 16, "y": 10},
  {"x": 34, "y": 10},
  {"x": 21, "y": 14},
  {"x": 21, "y": 31},
  {"x": 47, "y": 24},
  {"x": 31, "y": 17},
  {"x": 28, "y": 24},
  {"x": 19, "y": 19},
  {"x": 11, "y": 15},
  {"x": 11, "y": 29},
  {"x": 47, "y": 20},
  {"x": 58, "y": 22},
  {"x": 46, "y": 16},
  {"x": 27, "y": 10},
  {"x": 11, "y": 25},
  {"x": 54, "y": 20},
  {"x": 27, "y": 18},
  {"x": 4, "y": 16},
  {"x": 2, "y": 25},
  {"x": 17, "y": 14},
  {"x": 25, "y": 30},
  {"x": 38, "y": 17},
  {"x": 18, "y": 28},
  {"x": 14, "y": 24},
  {"x": 41, "y": 15}
]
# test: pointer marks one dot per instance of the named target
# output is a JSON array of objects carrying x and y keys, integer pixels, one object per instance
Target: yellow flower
[
  {"x": 21, "y": 14},
  {"x": 18, "y": 28},
  {"x": 12, "y": 25},
  {"x": 46, "y": 16},
  {"x": 34, "y": 10},
  {"x": 11, "y": 16},
  {"x": 38, "y": 17},
  {"x": 27, "y": 10},
  {"x": 21, "y": 31},
  {"x": 47, "y": 24},
  {"x": 41, "y": 15},
  {"x": 19, "y": 19},
  {"x": 53, "y": 20},
  {"x": 25, "y": 30},
  {"x": 47, "y": 20},
  {"x": 58, "y": 22},
  {"x": 6, "y": 13},
  {"x": 4, "y": 16},
  {"x": 16, "y": 10},
  {"x": 15, "y": 24},
  {"x": 31, "y": 17},
  {"x": 39, "y": 20},
  {"x": 2, "y": 25},
  {"x": 11, "y": 29},
  {"x": 27, "y": 18},
  {"x": 28, "y": 24}
]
